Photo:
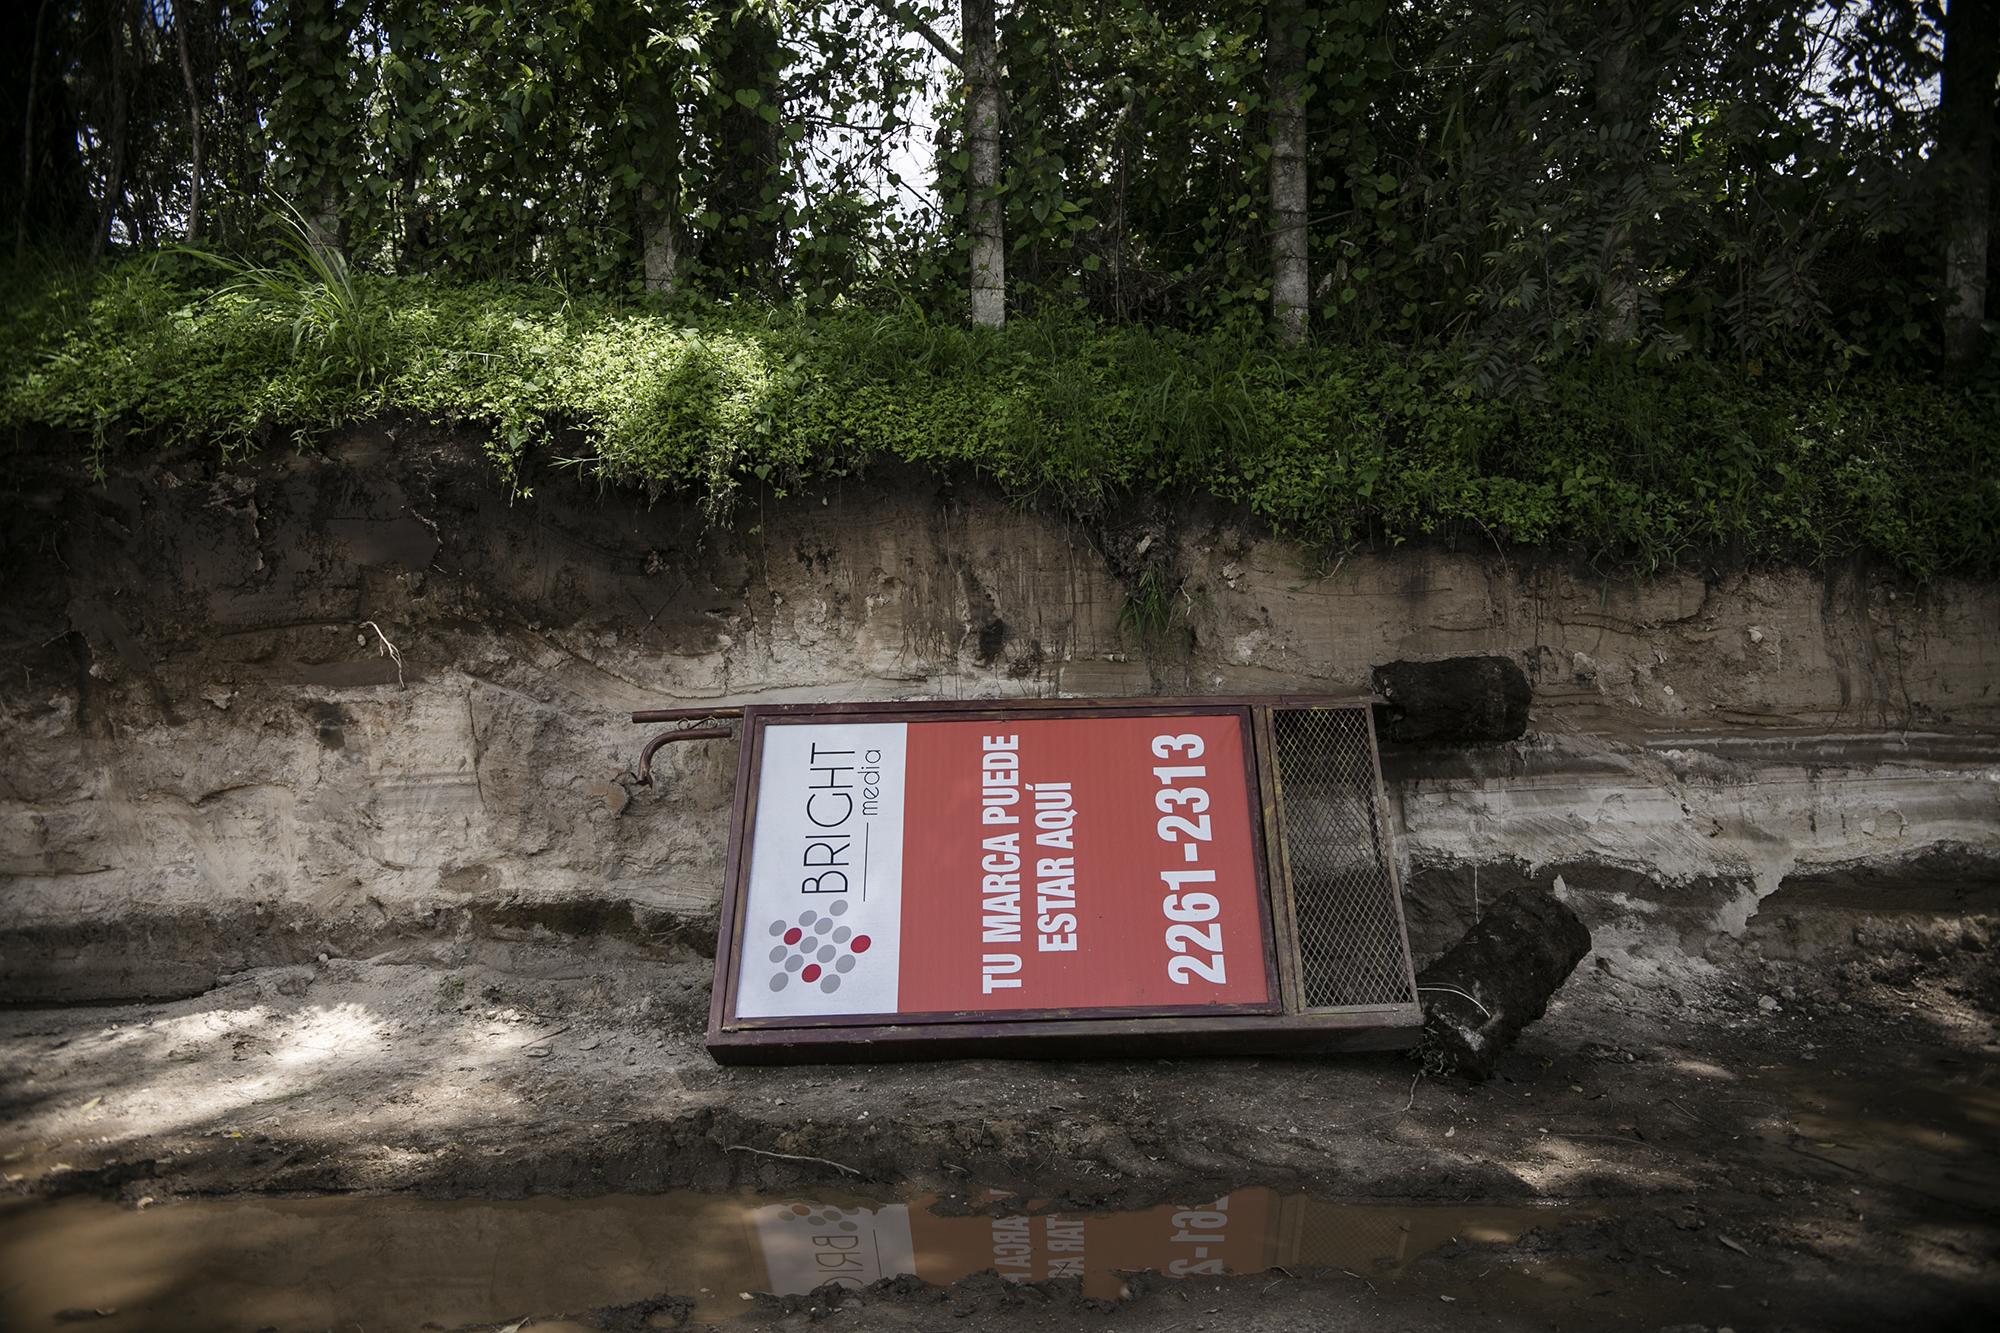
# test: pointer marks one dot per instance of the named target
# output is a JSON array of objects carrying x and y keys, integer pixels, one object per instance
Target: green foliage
[
  {"x": 1151, "y": 609},
  {"x": 1507, "y": 187},
  {"x": 1633, "y": 464},
  {"x": 332, "y": 312}
]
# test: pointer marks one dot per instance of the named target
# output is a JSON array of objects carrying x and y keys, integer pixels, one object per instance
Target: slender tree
[
  {"x": 979, "y": 69},
  {"x": 196, "y": 102},
  {"x": 1291, "y": 273},
  {"x": 982, "y": 104},
  {"x": 1622, "y": 98},
  {"x": 748, "y": 150},
  {"x": 320, "y": 35},
  {"x": 1965, "y": 152},
  {"x": 662, "y": 247},
  {"x": 28, "y": 133},
  {"x": 652, "y": 117},
  {"x": 123, "y": 44}
]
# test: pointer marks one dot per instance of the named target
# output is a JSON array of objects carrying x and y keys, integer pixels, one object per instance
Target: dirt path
[{"x": 1814, "y": 1150}]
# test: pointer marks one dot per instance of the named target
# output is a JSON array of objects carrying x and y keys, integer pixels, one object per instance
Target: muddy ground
[{"x": 1741, "y": 1143}]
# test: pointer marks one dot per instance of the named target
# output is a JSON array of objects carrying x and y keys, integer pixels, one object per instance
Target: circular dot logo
[
  {"x": 815, "y": 949},
  {"x": 824, "y": 1217}
]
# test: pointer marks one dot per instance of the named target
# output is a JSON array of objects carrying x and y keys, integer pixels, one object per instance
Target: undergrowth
[{"x": 1644, "y": 467}]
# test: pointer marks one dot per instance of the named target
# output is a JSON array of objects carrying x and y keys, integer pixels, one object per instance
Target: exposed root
[
  {"x": 390, "y": 651},
  {"x": 791, "y": 1157}
]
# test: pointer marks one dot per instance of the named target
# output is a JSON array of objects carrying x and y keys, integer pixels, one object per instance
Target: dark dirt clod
[
  {"x": 1497, "y": 980},
  {"x": 1456, "y": 701}
]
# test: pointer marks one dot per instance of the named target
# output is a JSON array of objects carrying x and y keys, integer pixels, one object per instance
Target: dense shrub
[{"x": 1644, "y": 466}]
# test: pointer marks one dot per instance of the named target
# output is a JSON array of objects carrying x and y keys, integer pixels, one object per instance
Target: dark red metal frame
[{"x": 1281, "y": 1025}]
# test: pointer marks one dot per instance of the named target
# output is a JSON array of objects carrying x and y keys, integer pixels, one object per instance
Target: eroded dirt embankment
[
  {"x": 326, "y": 870},
  {"x": 364, "y": 700}
]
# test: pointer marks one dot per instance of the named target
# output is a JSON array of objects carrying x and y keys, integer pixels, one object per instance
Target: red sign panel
[{"x": 937, "y": 868}]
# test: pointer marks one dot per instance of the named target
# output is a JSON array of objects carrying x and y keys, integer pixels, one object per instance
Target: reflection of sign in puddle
[
  {"x": 399, "y": 1262},
  {"x": 1247, "y": 1231},
  {"x": 804, "y": 1246}
]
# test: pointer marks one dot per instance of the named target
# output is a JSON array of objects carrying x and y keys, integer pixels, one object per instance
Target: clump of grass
[
  {"x": 1150, "y": 608},
  {"x": 334, "y": 317},
  {"x": 450, "y": 991}
]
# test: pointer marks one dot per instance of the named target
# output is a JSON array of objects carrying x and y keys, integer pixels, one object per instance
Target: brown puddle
[
  {"x": 1928, "y": 1136},
  {"x": 402, "y": 1263}
]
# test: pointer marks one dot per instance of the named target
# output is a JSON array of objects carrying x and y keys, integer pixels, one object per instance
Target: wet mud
[
  {"x": 1768, "y": 1145},
  {"x": 389, "y": 1262}
]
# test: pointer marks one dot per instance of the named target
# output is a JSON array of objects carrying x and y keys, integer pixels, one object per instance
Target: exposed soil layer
[{"x": 365, "y": 700}]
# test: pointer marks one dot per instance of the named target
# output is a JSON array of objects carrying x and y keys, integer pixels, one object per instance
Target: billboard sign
[
  {"x": 937, "y": 868},
  {"x": 922, "y": 875}
]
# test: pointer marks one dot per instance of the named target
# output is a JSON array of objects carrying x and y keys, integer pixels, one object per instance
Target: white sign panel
[
  {"x": 823, "y": 917},
  {"x": 807, "y": 1246}
]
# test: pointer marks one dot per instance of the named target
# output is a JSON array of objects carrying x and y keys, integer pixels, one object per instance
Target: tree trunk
[
  {"x": 1965, "y": 152},
  {"x": 982, "y": 99},
  {"x": 414, "y": 253},
  {"x": 121, "y": 100},
  {"x": 195, "y": 105},
  {"x": 662, "y": 241},
  {"x": 320, "y": 41},
  {"x": 1291, "y": 274},
  {"x": 28, "y": 135},
  {"x": 1496, "y": 981},
  {"x": 1617, "y": 293},
  {"x": 745, "y": 248},
  {"x": 1119, "y": 231},
  {"x": 246, "y": 116},
  {"x": 1625, "y": 101},
  {"x": 324, "y": 220}
]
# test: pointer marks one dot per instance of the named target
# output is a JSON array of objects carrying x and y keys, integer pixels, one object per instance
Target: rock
[
  {"x": 1769, "y": 1004},
  {"x": 614, "y": 796},
  {"x": 1496, "y": 981},
  {"x": 1456, "y": 701}
]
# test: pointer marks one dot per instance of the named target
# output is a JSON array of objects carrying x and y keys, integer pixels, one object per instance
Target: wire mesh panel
[
  {"x": 1340, "y": 1235},
  {"x": 1351, "y": 943}
]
